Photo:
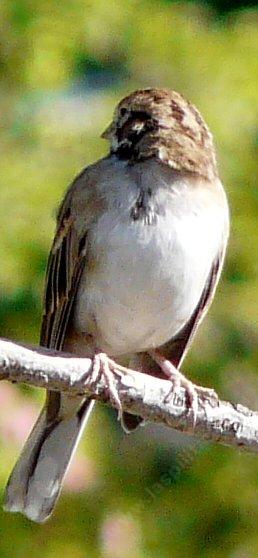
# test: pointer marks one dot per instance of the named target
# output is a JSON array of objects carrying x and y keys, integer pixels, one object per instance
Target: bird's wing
[
  {"x": 66, "y": 262},
  {"x": 65, "y": 265}
]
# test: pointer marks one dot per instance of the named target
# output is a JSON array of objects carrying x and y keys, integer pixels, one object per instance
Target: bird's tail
[{"x": 36, "y": 480}]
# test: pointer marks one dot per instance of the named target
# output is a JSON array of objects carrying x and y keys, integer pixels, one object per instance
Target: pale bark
[{"x": 139, "y": 393}]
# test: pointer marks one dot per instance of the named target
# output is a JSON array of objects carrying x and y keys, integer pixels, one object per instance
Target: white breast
[{"x": 148, "y": 279}]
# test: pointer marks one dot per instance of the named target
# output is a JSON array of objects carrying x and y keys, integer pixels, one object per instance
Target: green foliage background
[{"x": 63, "y": 66}]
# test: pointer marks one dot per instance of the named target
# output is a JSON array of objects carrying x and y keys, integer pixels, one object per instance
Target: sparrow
[{"x": 137, "y": 255}]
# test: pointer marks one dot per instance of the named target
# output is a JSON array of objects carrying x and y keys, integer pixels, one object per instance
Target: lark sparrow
[{"x": 140, "y": 242}]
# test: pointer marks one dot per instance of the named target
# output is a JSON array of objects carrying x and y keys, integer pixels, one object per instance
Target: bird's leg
[
  {"x": 179, "y": 380},
  {"x": 104, "y": 365}
]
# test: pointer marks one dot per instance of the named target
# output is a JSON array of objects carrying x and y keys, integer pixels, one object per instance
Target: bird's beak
[{"x": 109, "y": 132}]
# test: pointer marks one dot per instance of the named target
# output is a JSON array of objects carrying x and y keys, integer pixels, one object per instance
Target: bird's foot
[
  {"x": 105, "y": 366},
  {"x": 180, "y": 381}
]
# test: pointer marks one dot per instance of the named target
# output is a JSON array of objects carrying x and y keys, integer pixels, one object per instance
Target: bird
[{"x": 137, "y": 255}]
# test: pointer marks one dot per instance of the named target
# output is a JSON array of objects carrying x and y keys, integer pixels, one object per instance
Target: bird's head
[{"x": 162, "y": 123}]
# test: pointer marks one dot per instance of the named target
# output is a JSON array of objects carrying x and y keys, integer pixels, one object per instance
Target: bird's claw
[
  {"x": 105, "y": 366},
  {"x": 195, "y": 394}
]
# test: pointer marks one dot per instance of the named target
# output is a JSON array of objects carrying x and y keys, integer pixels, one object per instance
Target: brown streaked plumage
[
  {"x": 169, "y": 128},
  {"x": 140, "y": 242}
]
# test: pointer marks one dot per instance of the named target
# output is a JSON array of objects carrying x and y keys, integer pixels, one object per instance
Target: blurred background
[{"x": 63, "y": 66}]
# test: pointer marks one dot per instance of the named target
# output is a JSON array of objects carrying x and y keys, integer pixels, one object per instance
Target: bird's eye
[{"x": 122, "y": 111}]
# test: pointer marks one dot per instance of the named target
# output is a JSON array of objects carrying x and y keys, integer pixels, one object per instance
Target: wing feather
[{"x": 65, "y": 266}]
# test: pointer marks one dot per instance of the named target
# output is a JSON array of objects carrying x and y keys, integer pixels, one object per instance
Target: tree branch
[{"x": 139, "y": 394}]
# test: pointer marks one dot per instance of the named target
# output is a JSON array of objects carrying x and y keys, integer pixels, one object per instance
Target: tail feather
[{"x": 36, "y": 480}]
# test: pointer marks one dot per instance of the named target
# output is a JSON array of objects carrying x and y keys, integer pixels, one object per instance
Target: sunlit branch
[{"x": 139, "y": 393}]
